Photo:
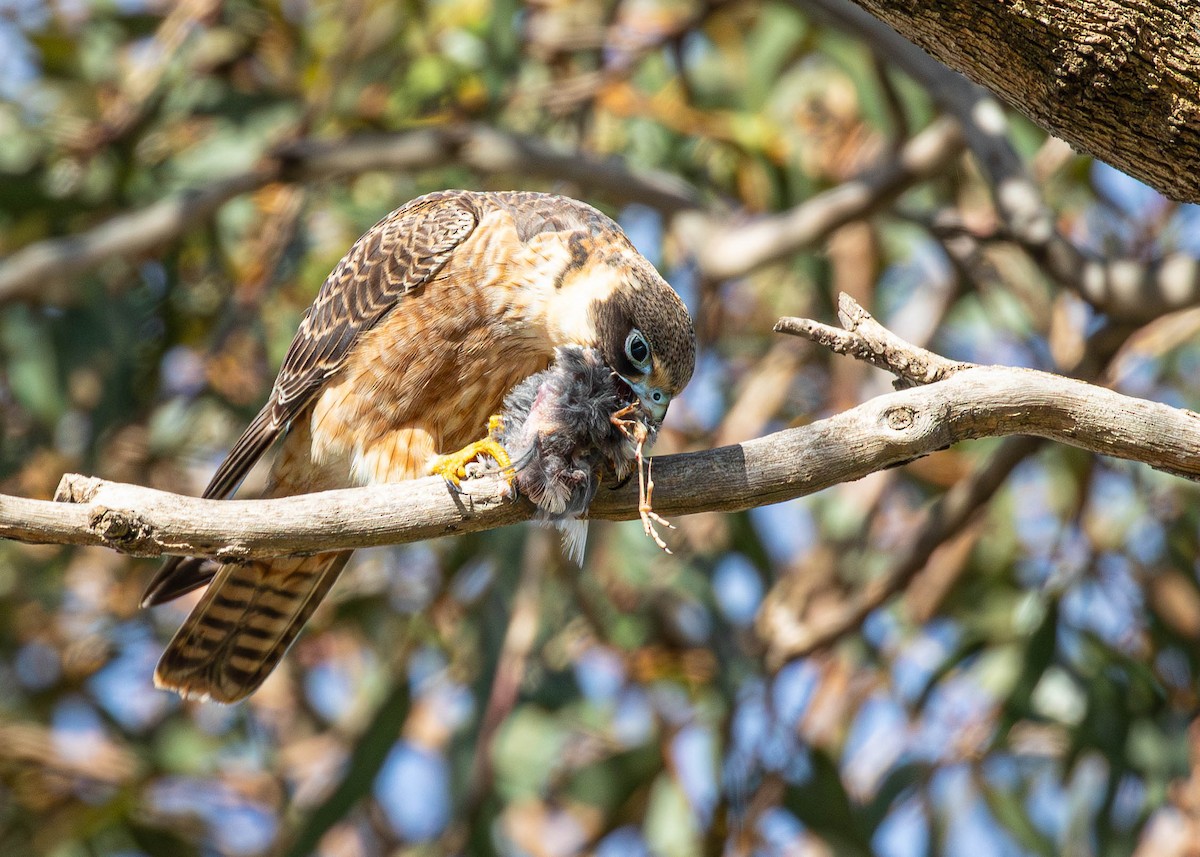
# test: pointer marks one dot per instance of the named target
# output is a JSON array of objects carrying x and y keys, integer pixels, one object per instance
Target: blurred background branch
[{"x": 29, "y": 272}]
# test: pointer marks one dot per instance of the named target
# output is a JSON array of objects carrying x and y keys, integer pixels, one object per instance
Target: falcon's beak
[{"x": 653, "y": 400}]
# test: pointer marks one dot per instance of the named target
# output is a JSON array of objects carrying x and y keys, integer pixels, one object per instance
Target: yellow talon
[{"x": 455, "y": 466}]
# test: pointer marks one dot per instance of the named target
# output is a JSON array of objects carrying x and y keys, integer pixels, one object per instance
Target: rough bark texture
[{"x": 1118, "y": 79}]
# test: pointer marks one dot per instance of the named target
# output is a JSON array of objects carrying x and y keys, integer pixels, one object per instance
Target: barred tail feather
[{"x": 245, "y": 622}]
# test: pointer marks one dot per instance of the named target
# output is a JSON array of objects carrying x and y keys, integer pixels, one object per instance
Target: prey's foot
[
  {"x": 636, "y": 430},
  {"x": 626, "y": 426},
  {"x": 646, "y": 505},
  {"x": 472, "y": 460}
]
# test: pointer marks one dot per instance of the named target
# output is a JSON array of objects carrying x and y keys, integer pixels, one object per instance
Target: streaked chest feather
[{"x": 424, "y": 382}]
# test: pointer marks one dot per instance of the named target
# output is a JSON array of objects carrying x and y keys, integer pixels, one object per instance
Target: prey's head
[{"x": 645, "y": 335}]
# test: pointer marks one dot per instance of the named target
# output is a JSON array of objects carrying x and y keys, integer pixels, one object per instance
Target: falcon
[{"x": 402, "y": 362}]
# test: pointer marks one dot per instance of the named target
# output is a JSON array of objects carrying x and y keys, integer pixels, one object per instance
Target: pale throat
[
  {"x": 571, "y": 306},
  {"x": 551, "y": 295}
]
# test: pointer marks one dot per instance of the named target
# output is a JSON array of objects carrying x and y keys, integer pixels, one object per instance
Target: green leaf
[
  {"x": 1038, "y": 655},
  {"x": 671, "y": 829},
  {"x": 898, "y": 781},
  {"x": 364, "y": 765},
  {"x": 1008, "y": 808},
  {"x": 823, "y": 805},
  {"x": 610, "y": 782},
  {"x": 32, "y": 365}
]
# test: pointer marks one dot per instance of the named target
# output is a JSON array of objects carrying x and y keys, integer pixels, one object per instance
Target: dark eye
[{"x": 637, "y": 349}]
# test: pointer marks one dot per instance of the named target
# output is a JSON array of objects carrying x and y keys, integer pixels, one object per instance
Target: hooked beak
[{"x": 653, "y": 400}]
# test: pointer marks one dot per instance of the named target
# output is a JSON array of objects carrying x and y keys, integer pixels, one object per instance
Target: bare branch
[
  {"x": 1054, "y": 63},
  {"x": 32, "y": 272},
  {"x": 863, "y": 338},
  {"x": 985, "y": 126},
  {"x": 38, "y": 271},
  {"x": 791, "y": 630},
  {"x": 970, "y": 402},
  {"x": 790, "y": 634},
  {"x": 488, "y": 151}
]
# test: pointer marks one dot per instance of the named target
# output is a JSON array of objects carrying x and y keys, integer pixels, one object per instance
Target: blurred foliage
[{"x": 1029, "y": 693}]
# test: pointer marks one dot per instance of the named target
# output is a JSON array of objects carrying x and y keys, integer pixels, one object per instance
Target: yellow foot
[{"x": 468, "y": 461}]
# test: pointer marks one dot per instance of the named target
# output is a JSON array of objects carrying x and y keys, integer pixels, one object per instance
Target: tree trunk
[{"x": 1118, "y": 79}]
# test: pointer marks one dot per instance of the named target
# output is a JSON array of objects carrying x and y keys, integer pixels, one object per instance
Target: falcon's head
[
  {"x": 643, "y": 330},
  {"x": 601, "y": 293}
]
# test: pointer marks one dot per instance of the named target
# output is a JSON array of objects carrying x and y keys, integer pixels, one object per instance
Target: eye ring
[{"x": 637, "y": 349}]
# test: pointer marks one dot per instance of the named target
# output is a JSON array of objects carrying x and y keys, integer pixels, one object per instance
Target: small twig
[{"x": 863, "y": 338}]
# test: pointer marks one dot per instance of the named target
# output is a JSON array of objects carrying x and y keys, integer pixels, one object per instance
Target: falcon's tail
[{"x": 243, "y": 625}]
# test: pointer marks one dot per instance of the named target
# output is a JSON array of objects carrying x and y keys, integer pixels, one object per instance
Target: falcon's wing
[{"x": 397, "y": 255}]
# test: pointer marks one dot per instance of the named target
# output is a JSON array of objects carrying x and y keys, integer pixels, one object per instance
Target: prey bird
[{"x": 434, "y": 316}]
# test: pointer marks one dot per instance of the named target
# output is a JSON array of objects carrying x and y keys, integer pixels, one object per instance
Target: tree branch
[
  {"x": 35, "y": 272},
  {"x": 724, "y": 251},
  {"x": 1131, "y": 289},
  {"x": 790, "y": 633},
  {"x": 28, "y": 273},
  {"x": 1115, "y": 78},
  {"x": 969, "y": 402},
  {"x": 984, "y": 126},
  {"x": 488, "y": 151},
  {"x": 863, "y": 338}
]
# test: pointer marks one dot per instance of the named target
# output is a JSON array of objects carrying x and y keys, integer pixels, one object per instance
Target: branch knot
[
  {"x": 123, "y": 529},
  {"x": 899, "y": 418}
]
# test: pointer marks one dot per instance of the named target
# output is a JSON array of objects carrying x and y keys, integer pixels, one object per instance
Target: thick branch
[
  {"x": 1115, "y": 78},
  {"x": 972, "y": 402},
  {"x": 1133, "y": 290}
]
